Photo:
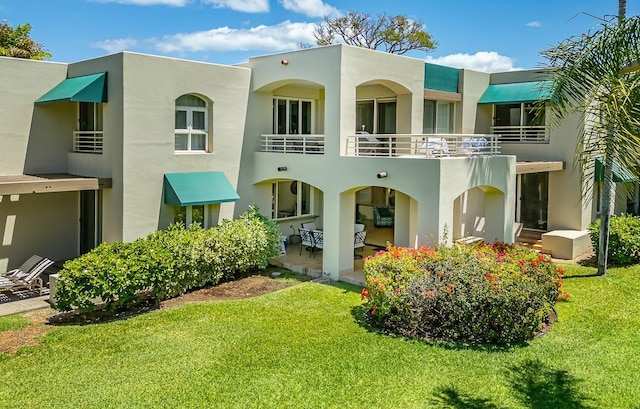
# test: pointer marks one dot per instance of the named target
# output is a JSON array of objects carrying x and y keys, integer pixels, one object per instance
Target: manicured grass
[
  {"x": 13, "y": 322},
  {"x": 305, "y": 347}
]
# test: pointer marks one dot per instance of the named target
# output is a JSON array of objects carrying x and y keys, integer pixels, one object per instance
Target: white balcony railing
[
  {"x": 422, "y": 146},
  {"x": 521, "y": 133},
  {"x": 87, "y": 141},
  {"x": 304, "y": 144}
]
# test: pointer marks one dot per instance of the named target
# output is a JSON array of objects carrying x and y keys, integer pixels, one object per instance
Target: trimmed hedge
[
  {"x": 624, "y": 239},
  {"x": 490, "y": 293},
  {"x": 167, "y": 263}
]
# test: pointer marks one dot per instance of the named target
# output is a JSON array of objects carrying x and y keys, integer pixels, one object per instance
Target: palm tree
[
  {"x": 596, "y": 75},
  {"x": 15, "y": 42}
]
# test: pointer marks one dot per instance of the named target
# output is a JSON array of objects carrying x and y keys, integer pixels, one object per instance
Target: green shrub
[
  {"x": 167, "y": 263},
  {"x": 115, "y": 272},
  {"x": 491, "y": 293},
  {"x": 246, "y": 244},
  {"x": 624, "y": 239}
]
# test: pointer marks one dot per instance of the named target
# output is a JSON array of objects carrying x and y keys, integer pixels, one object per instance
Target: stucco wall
[
  {"x": 34, "y": 138},
  {"x": 151, "y": 85},
  {"x": 45, "y": 224}
]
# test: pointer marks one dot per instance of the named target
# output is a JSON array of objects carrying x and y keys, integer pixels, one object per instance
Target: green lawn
[{"x": 303, "y": 347}]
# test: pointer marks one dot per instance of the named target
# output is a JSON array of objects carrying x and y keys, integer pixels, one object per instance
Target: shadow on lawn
[
  {"x": 534, "y": 384},
  {"x": 361, "y": 312}
]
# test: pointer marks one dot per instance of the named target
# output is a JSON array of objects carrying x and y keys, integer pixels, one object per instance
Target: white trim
[{"x": 288, "y": 100}]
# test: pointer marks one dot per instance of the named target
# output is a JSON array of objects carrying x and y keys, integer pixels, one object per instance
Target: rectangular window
[
  {"x": 292, "y": 116},
  {"x": 387, "y": 117},
  {"x": 521, "y": 122},
  {"x": 188, "y": 215},
  {"x": 376, "y": 116},
  {"x": 507, "y": 115},
  {"x": 437, "y": 117},
  {"x": 291, "y": 199},
  {"x": 364, "y": 116},
  {"x": 88, "y": 138}
]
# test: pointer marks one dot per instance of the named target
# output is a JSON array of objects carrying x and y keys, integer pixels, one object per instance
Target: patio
[{"x": 304, "y": 262}]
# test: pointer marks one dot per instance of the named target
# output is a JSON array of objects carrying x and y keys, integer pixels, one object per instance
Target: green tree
[
  {"x": 393, "y": 34},
  {"x": 15, "y": 42},
  {"x": 596, "y": 74}
]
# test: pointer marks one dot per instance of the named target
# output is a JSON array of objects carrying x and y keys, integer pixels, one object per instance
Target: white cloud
[
  {"x": 281, "y": 37},
  {"x": 117, "y": 45},
  {"x": 485, "y": 61},
  {"x": 311, "y": 8},
  {"x": 533, "y": 24},
  {"x": 175, "y": 3},
  {"x": 247, "y": 6}
]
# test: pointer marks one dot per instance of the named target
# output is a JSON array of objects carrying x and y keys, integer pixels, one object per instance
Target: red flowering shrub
[{"x": 491, "y": 293}]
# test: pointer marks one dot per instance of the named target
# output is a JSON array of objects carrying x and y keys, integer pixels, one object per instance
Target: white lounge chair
[
  {"x": 25, "y": 268},
  {"x": 20, "y": 281}
]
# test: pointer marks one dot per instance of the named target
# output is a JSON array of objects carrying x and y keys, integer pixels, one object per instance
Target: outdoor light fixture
[
  {"x": 282, "y": 168},
  {"x": 381, "y": 175},
  {"x": 284, "y": 62}
]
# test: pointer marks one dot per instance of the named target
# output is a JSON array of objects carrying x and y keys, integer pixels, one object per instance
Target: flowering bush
[
  {"x": 491, "y": 293},
  {"x": 167, "y": 263},
  {"x": 624, "y": 239}
]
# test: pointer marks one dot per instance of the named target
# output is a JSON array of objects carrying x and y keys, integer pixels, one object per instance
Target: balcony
[
  {"x": 526, "y": 134},
  {"x": 87, "y": 141},
  {"x": 422, "y": 146},
  {"x": 302, "y": 144}
]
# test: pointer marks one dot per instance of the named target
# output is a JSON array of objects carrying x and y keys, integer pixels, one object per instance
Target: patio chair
[
  {"x": 358, "y": 242},
  {"x": 311, "y": 226},
  {"x": 306, "y": 239},
  {"x": 358, "y": 227},
  {"x": 30, "y": 281},
  {"x": 318, "y": 241},
  {"x": 433, "y": 146},
  {"x": 25, "y": 268}
]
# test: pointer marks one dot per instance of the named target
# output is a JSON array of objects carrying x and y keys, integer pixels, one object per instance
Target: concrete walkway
[{"x": 11, "y": 304}]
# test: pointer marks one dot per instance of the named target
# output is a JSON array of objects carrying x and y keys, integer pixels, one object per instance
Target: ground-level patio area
[{"x": 303, "y": 260}]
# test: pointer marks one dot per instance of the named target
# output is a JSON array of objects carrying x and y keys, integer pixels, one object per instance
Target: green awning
[
  {"x": 620, "y": 173},
  {"x": 440, "y": 78},
  {"x": 88, "y": 88},
  {"x": 197, "y": 188},
  {"x": 516, "y": 92}
]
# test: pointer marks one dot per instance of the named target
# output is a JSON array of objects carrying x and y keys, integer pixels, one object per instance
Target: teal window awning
[
  {"x": 198, "y": 188},
  {"x": 516, "y": 92},
  {"x": 620, "y": 173},
  {"x": 441, "y": 78},
  {"x": 88, "y": 88}
]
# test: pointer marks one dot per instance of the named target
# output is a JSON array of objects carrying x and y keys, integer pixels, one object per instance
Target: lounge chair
[
  {"x": 29, "y": 279},
  {"x": 25, "y": 268}
]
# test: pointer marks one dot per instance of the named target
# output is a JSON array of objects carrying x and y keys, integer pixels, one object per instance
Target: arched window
[{"x": 191, "y": 124}]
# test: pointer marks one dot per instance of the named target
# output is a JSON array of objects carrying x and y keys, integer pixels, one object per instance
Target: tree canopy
[
  {"x": 393, "y": 34},
  {"x": 596, "y": 74},
  {"x": 15, "y": 42}
]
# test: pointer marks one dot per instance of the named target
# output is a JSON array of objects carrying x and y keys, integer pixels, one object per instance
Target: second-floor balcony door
[
  {"x": 377, "y": 117},
  {"x": 293, "y": 116}
]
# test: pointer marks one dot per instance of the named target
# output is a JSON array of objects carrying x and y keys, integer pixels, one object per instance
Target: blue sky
[{"x": 485, "y": 35}]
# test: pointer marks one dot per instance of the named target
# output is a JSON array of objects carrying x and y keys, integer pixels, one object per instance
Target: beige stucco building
[{"x": 117, "y": 147}]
